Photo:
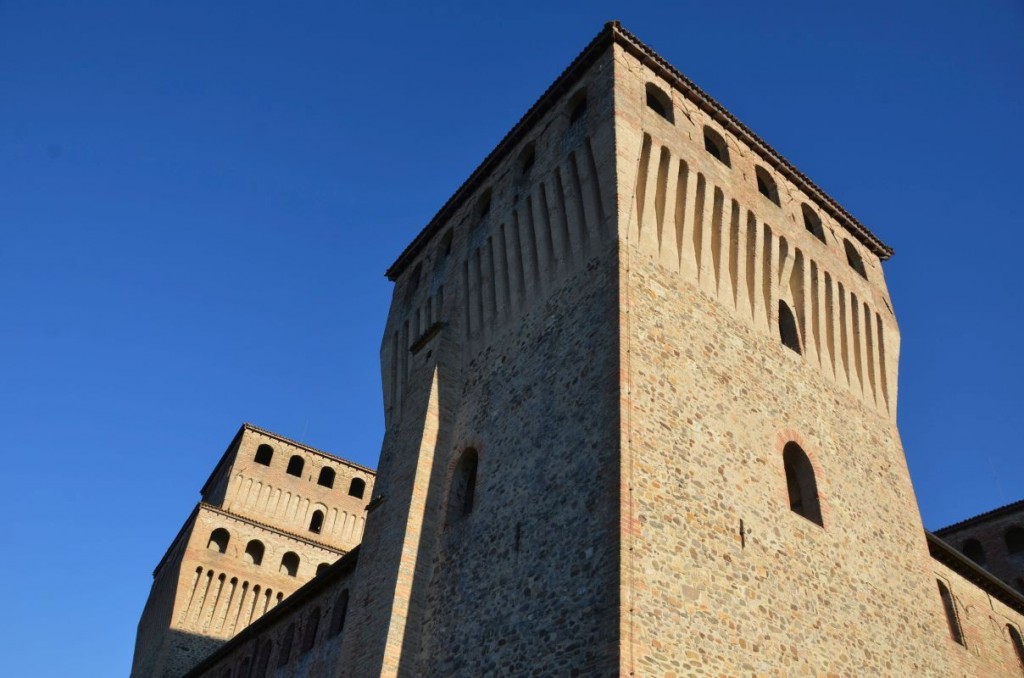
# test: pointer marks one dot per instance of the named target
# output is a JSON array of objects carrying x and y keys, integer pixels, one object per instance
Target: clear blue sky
[{"x": 198, "y": 201}]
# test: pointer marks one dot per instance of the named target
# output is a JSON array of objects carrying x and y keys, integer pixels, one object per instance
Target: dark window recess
[
  {"x": 264, "y": 453},
  {"x": 290, "y": 564},
  {"x": 788, "y": 331},
  {"x": 854, "y": 259},
  {"x": 659, "y": 102},
  {"x": 1018, "y": 644},
  {"x": 766, "y": 185},
  {"x": 951, "y": 617},
  {"x": 527, "y": 158},
  {"x": 462, "y": 495},
  {"x": 316, "y": 523},
  {"x": 578, "y": 106},
  {"x": 286, "y": 646},
  {"x": 326, "y": 477},
  {"x": 1014, "y": 541},
  {"x": 973, "y": 549},
  {"x": 715, "y": 145},
  {"x": 312, "y": 626},
  {"x": 356, "y": 488},
  {"x": 254, "y": 551},
  {"x": 339, "y": 614},
  {"x": 219, "y": 539},
  {"x": 812, "y": 222},
  {"x": 295, "y": 465},
  {"x": 801, "y": 483}
]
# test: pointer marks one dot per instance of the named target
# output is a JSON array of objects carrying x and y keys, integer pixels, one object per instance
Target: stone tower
[
  {"x": 273, "y": 514},
  {"x": 640, "y": 394},
  {"x": 640, "y": 384}
]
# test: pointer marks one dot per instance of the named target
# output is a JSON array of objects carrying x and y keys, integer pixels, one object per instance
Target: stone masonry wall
[
  {"x": 300, "y": 639},
  {"x": 992, "y": 534},
  {"x": 501, "y": 338},
  {"x": 987, "y": 648},
  {"x": 268, "y": 494},
  {"x": 720, "y": 577}
]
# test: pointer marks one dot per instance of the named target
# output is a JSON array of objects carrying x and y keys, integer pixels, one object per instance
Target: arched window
[
  {"x": 321, "y": 568},
  {"x": 295, "y": 465},
  {"x": 800, "y": 481},
  {"x": 462, "y": 494},
  {"x": 951, "y": 616},
  {"x": 254, "y": 551},
  {"x": 787, "y": 327},
  {"x": 854, "y": 259},
  {"x": 766, "y": 185},
  {"x": 812, "y": 222},
  {"x": 264, "y": 453},
  {"x": 290, "y": 564},
  {"x": 659, "y": 102},
  {"x": 316, "y": 523},
  {"x": 338, "y": 614},
  {"x": 1018, "y": 644},
  {"x": 264, "y": 661},
  {"x": 219, "y": 539},
  {"x": 1014, "y": 537},
  {"x": 243, "y": 669},
  {"x": 483, "y": 205},
  {"x": 326, "y": 477},
  {"x": 446, "y": 244},
  {"x": 577, "y": 106},
  {"x": 356, "y": 488},
  {"x": 527, "y": 158},
  {"x": 972, "y": 549},
  {"x": 312, "y": 626},
  {"x": 286, "y": 646},
  {"x": 414, "y": 281},
  {"x": 715, "y": 145}
]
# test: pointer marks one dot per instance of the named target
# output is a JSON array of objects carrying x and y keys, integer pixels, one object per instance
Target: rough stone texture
[
  {"x": 990, "y": 530},
  {"x": 528, "y": 305},
  {"x": 596, "y": 315},
  {"x": 988, "y": 649},
  {"x": 202, "y": 596}
]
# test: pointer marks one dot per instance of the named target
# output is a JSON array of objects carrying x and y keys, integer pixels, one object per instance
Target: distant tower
[{"x": 272, "y": 514}]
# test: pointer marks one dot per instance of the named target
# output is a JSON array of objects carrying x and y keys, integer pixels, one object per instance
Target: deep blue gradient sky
[{"x": 198, "y": 201}]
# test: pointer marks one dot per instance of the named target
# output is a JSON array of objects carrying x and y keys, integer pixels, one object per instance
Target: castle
[{"x": 640, "y": 405}]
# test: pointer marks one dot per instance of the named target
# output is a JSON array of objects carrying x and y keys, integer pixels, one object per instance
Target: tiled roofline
[
  {"x": 614, "y": 34},
  {"x": 968, "y": 569},
  {"x": 987, "y": 515}
]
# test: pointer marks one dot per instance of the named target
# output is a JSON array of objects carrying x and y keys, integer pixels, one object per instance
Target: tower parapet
[{"x": 273, "y": 515}]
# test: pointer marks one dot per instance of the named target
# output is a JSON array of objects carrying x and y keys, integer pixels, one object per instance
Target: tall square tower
[
  {"x": 640, "y": 393},
  {"x": 669, "y": 361}
]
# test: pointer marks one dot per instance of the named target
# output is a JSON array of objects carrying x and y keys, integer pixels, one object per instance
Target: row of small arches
[
  {"x": 261, "y": 668},
  {"x": 659, "y": 102},
  {"x": 255, "y": 550},
  {"x": 265, "y": 454},
  {"x": 1013, "y": 537}
]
